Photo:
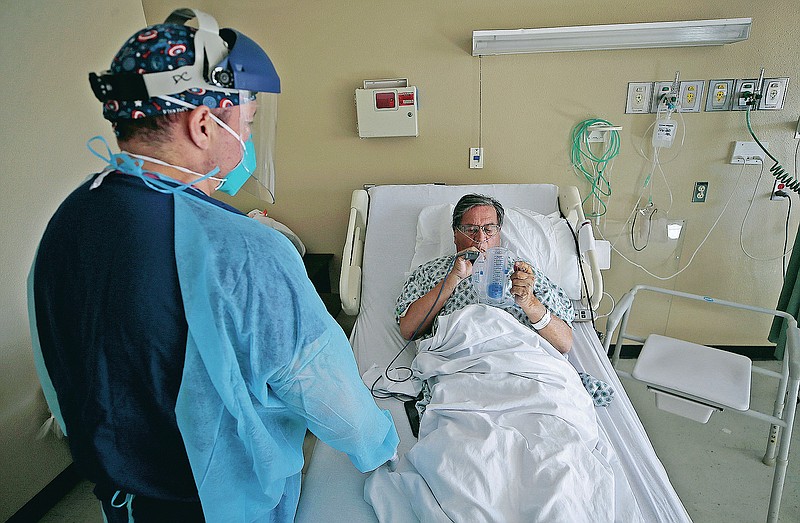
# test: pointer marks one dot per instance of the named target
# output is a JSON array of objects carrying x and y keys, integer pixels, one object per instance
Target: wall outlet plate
[
  {"x": 700, "y": 192},
  {"x": 749, "y": 151},
  {"x": 741, "y": 87},
  {"x": 690, "y": 96},
  {"x": 639, "y": 96},
  {"x": 773, "y": 94},
  {"x": 476, "y": 157},
  {"x": 720, "y": 95}
]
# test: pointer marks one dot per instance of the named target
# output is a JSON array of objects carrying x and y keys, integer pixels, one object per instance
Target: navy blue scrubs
[{"x": 112, "y": 330}]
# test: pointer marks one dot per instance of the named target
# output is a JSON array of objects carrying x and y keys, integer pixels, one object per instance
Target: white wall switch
[{"x": 476, "y": 157}]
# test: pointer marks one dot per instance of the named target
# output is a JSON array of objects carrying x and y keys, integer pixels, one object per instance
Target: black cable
[
  {"x": 777, "y": 170},
  {"x": 404, "y": 397},
  {"x": 649, "y": 230},
  {"x": 785, "y": 231},
  {"x": 580, "y": 268}
]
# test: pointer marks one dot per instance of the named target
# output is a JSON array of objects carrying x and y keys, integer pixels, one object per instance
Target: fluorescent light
[{"x": 615, "y": 36}]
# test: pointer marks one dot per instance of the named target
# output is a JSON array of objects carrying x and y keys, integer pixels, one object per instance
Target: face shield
[
  {"x": 257, "y": 129},
  {"x": 186, "y": 68}
]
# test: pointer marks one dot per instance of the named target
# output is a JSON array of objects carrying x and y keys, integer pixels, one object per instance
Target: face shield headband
[{"x": 225, "y": 60}]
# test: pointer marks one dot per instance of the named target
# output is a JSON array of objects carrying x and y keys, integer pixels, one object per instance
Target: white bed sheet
[{"x": 333, "y": 490}]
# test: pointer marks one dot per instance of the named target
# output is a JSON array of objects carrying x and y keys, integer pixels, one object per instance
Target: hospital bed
[{"x": 386, "y": 232}]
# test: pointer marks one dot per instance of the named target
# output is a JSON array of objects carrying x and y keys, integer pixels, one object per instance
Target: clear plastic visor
[{"x": 258, "y": 118}]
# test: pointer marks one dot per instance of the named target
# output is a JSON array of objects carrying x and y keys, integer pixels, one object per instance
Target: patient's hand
[
  {"x": 522, "y": 280},
  {"x": 558, "y": 333},
  {"x": 462, "y": 268}
]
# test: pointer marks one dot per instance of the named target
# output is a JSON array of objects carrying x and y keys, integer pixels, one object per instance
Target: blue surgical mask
[{"x": 242, "y": 172}]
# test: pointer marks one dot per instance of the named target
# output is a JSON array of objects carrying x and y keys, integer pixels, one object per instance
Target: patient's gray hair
[{"x": 468, "y": 201}]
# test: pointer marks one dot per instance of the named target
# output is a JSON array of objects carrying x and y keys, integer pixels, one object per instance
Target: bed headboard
[{"x": 382, "y": 231}]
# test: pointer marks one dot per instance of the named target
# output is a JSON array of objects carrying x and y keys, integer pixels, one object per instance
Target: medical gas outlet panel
[
  {"x": 387, "y": 108},
  {"x": 721, "y": 95}
]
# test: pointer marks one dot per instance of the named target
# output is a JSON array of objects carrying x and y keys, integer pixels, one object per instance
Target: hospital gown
[{"x": 429, "y": 274}]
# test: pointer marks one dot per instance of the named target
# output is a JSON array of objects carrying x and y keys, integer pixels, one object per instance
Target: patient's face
[{"x": 480, "y": 215}]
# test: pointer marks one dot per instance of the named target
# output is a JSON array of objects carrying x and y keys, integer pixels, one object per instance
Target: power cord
[
  {"x": 777, "y": 170},
  {"x": 713, "y": 226},
  {"x": 781, "y": 194}
]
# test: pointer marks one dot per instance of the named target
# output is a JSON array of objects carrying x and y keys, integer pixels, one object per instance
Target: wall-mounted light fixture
[{"x": 614, "y": 36}]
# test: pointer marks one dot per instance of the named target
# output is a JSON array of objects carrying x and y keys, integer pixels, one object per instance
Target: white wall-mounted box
[{"x": 387, "y": 108}]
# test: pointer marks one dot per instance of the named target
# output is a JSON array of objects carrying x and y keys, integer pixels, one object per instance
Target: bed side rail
[
  {"x": 350, "y": 275},
  {"x": 569, "y": 201}
]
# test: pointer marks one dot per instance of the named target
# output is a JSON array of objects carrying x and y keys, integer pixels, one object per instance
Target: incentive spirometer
[{"x": 491, "y": 277}]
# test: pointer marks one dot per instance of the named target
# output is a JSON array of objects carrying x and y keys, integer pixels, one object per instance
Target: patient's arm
[
  {"x": 557, "y": 332},
  {"x": 424, "y": 306}
]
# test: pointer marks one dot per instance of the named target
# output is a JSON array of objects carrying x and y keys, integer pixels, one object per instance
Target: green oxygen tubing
[{"x": 594, "y": 168}]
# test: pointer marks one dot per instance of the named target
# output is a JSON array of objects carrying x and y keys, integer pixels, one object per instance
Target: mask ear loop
[{"x": 213, "y": 117}]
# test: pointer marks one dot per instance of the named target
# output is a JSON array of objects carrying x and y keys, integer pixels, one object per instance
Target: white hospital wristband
[{"x": 544, "y": 322}]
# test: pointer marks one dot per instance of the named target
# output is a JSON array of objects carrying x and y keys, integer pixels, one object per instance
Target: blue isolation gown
[{"x": 264, "y": 362}]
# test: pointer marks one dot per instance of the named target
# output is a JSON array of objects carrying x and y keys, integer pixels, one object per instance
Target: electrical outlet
[
  {"x": 639, "y": 95},
  {"x": 476, "y": 158},
  {"x": 748, "y": 153},
  {"x": 773, "y": 94},
  {"x": 778, "y": 186},
  {"x": 700, "y": 192},
  {"x": 690, "y": 95},
  {"x": 741, "y": 93},
  {"x": 720, "y": 95}
]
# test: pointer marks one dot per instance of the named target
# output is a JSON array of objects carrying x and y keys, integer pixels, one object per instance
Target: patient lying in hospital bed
[{"x": 508, "y": 431}]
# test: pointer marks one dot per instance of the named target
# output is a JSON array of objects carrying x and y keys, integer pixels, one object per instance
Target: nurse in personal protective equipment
[{"x": 180, "y": 344}]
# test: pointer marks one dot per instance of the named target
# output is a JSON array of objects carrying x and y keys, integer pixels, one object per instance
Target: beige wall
[
  {"x": 323, "y": 51},
  {"x": 48, "y": 113}
]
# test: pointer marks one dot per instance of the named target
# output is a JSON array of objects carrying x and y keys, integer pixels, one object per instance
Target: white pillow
[{"x": 544, "y": 240}]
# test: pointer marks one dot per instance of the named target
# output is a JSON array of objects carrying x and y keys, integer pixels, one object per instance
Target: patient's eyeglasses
[{"x": 473, "y": 230}]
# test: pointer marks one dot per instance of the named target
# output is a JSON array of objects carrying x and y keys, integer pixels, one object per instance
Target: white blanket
[{"x": 510, "y": 434}]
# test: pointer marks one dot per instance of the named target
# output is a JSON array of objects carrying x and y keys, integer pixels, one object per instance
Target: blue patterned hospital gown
[{"x": 427, "y": 275}]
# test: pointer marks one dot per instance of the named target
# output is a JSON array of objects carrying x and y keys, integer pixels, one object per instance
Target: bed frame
[
  {"x": 569, "y": 203},
  {"x": 379, "y": 248}
]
